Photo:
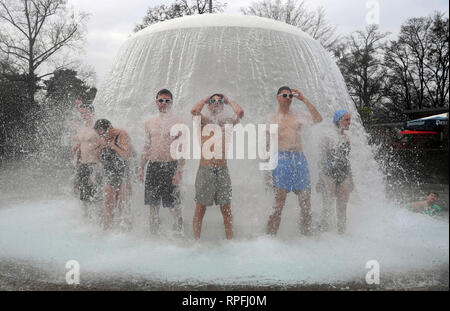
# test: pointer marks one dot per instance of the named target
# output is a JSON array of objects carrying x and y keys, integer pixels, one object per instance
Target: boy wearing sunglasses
[
  {"x": 292, "y": 172},
  {"x": 163, "y": 172},
  {"x": 213, "y": 182}
]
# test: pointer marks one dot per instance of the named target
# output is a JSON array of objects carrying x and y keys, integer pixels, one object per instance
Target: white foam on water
[{"x": 53, "y": 232}]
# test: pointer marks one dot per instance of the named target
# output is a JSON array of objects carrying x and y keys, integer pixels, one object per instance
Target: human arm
[
  {"x": 101, "y": 143},
  {"x": 75, "y": 149},
  {"x": 238, "y": 111},
  {"x": 316, "y": 116},
  {"x": 78, "y": 102},
  {"x": 324, "y": 147},
  {"x": 197, "y": 110},
  {"x": 178, "y": 173},
  {"x": 122, "y": 145},
  {"x": 418, "y": 206},
  {"x": 145, "y": 155}
]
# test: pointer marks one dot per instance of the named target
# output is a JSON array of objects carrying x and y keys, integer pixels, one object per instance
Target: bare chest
[{"x": 87, "y": 135}]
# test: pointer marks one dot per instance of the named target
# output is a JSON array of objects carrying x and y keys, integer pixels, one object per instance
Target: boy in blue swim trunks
[{"x": 292, "y": 172}]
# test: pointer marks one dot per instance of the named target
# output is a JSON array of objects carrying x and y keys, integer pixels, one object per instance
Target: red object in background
[
  {"x": 416, "y": 140},
  {"x": 406, "y": 132}
]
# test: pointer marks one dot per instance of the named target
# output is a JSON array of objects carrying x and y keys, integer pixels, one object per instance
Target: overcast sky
[{"x": 112, "y": 21}]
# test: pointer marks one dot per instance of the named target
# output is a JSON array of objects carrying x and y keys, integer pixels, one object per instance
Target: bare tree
[
  {"x": 295, "y": 12},
  {"x": 438, "y": 61},
  {"x": 360, "y": 59},
  {"x": 398, "y": 62},
  {"x": 418, "y": 63},
  {"x": 33, "y": 31},
  {"x": 178, "y": 8}
]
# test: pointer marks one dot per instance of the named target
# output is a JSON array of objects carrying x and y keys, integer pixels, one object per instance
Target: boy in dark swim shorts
[
  {"x": 88, "y": 181},
  {"x": 163, "y": 171},
  {"x": 159, "y": 187}
]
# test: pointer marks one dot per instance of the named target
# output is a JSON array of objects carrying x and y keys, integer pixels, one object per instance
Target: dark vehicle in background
[{"x": 424, "y": 133}]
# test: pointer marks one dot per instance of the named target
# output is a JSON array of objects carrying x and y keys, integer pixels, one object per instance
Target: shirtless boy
[
  {"x": 213, "y": 183},
  {"x": 292, "y": 172},
  {"x": 84, "y": 156},
  {"x": 428, "y": 206},
  {"x": 163, "y": 172}
]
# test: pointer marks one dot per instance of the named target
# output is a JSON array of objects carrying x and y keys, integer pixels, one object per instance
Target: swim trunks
[
  {"x": 292, "y": 173},
  {"x": 116, "y": 169},
  {"x": 87, "y": 182},
  {"x": 434, "y": 210},
  {"x": 213, "y": 186},
  {"x": 159, "y": 186}
]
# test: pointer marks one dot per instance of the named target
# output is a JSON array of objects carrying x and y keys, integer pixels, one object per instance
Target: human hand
[
  {"x": 206, "y": 100},
  {"x": 111, "y": 143},
  {"x": 176, "y": 178},
  {"x": 268, "y": 180},
  {"x": 141, "y": 175},
  {"x": 298, "y": 94},
  {"x": 226, "y": 100},
  {"x": 101, "y": 142},
  {"x": 78, "y": 102}
]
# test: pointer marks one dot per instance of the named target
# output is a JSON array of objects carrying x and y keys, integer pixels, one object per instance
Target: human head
[
  {"x": 216, "y": 103},
  {"x": 284, "y": 96},
  {"x": 432, "y": 197},
  {"x": 102, "y": 127},
  {"x": 342, "y": 119},
  {"x": 86, "y": 111},
  {"x": 164, "y": 100}
]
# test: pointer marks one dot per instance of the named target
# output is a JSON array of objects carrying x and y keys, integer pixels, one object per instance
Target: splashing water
[{"x": 248, "y": 59}]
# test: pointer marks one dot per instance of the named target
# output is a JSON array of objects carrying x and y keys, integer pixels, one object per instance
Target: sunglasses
[
  {"x": 168, "y": 101},
  {"x": 212, "y": 101},
  {"x": 84, "y": 106},
  {"x": 286, "y": 95}
]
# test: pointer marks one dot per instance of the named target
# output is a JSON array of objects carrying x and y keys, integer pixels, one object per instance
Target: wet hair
[
  {"x": 284, "y": 88},
  {"x": 220, "y": 95},
  {"x": 164, "y": 92},
  {"x": 102, "y": 124},
  {"x": 86, "y": 104},
  {"x": 432, "y": 192}
]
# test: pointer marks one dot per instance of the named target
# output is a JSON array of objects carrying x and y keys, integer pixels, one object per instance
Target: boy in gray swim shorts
[
  {"x": 213, "y": 186},
  {"x": 213, "y": 183}
]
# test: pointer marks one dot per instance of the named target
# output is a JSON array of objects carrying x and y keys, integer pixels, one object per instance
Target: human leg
[
  {"x": 177, "y": 219},
  {"x": 198, "y": 219},
  {"x": 343, "y": 194},
  {"x": 304, "y": 200},
  {"x": 227, "y": 220},
  {"x": 327, "y": 188},
  {"x": 275, "y": 218},
  {"x": 110, "y": 201},
  {"x": 302, "y": 187},
  {"x": 154, "y": 219}
]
